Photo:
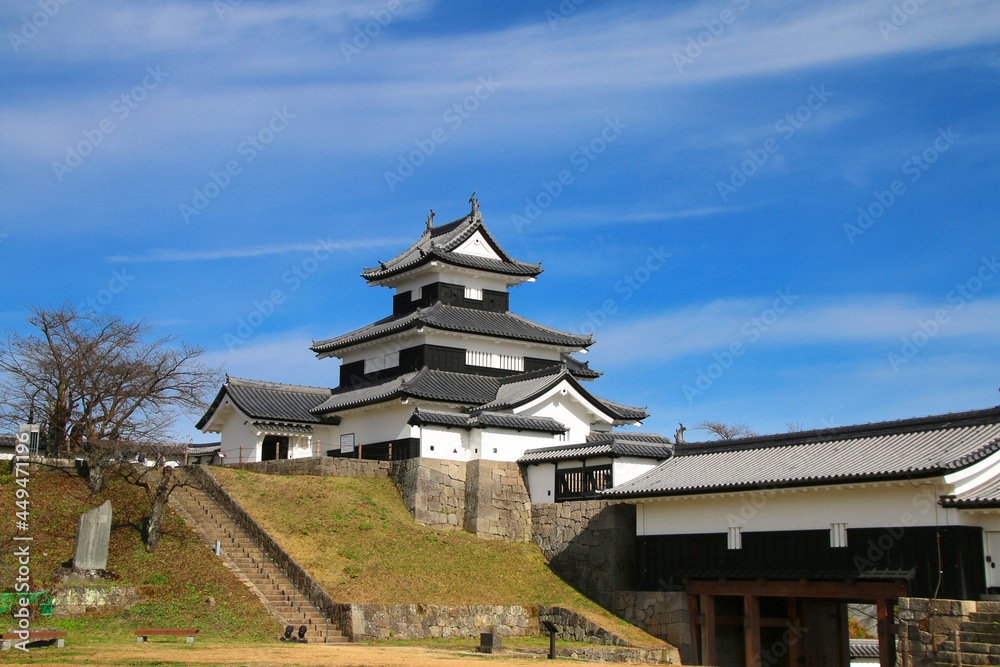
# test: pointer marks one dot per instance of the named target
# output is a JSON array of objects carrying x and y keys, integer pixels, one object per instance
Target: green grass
[
  {"x": 178, "y": 577},
  {"x": 356, "y": 538}
]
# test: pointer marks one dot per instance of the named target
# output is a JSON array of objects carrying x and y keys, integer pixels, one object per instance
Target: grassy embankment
[
  {"x": 178, "y": 577},
  {"x": 356, "y": 538}
]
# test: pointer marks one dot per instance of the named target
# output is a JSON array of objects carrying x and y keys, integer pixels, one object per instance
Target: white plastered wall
[
  {"x": 804, "y": 508},
  {"x": 511, "y": 445},
  {"x": 626, "y": 468},
  {"x": 542, "y": 483},
  {"x": 440, "y": 442},
  {"x": 375, "y": 424},
  {"x": 561, "y": 404}
]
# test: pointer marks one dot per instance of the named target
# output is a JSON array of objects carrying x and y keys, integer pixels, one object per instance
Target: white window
[
  {"x": 415, "y": 294},
  {"x": 838, "y": 535},
  {"x": 507, "y": 362},
  {"x": 473, "y": 293},
  {"x": 381, "y": 362},
  {"x": 735, "y": 537}
]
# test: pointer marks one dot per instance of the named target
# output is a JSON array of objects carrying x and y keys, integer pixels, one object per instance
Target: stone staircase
[
  {"x": 253, "y": 567},
  {"x": 979, "y": 638}
]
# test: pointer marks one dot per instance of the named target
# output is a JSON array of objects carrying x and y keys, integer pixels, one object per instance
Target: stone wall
[
  {"x": 663, "y": 614},
  {"x": 589, "y": 543},
  {"x": 433, "y": 491},
  {"x": 927, "y": 632},
  {"x": 416, "y": 621},
  {"x": 497, "y": 504},
  {"x": 320, "y": 466},
  {"x": 71, "y": 601}
]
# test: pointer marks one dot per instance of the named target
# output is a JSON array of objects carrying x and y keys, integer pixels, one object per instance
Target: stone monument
[{"x": 93, "y": 530}]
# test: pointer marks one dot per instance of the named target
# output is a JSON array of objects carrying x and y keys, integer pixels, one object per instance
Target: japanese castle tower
[{"x": 451, "y": 374}]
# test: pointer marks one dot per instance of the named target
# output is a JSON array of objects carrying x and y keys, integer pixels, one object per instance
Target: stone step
[
  {"x": 980, "y": 628},
  {"x": 984, "y": 617},
  {"x": 287, "y": 604},
  {"x": 951, "y": 658},
  {"x": 968, "y": 647},
  {"x": 981, "y": 638}
]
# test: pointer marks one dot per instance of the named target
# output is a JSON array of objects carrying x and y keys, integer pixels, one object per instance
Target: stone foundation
[
  {"x": 497, "y": 505},
  {"x": 663, "y": 614},
  {"x": 72, "y": 601},
  {"x": 320, "y": 466},
  {"x": 928, "y": 628},
  {"x": 433, "y": 490},
  {"x": 416, "y": 621},
  {"x": 589, "y": 544}
]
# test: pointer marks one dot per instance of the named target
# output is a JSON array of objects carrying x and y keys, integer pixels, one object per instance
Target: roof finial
[
  {"x": 430, "y": 220},
  {"x": 679, "y": 434},
  {"x": 475, "y": 205}
]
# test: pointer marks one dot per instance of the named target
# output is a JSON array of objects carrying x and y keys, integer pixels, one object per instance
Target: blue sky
[{"x": 770, "y": 211}]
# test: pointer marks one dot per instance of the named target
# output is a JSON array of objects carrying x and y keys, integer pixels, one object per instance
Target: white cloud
[
  {"x": 713, "y": 327},
  {"x": 169, "y": 255}
]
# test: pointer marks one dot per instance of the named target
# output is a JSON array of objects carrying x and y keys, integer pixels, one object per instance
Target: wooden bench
[
  {"x": 143, "y": 634},
  {"x": 11, "y": 638}
]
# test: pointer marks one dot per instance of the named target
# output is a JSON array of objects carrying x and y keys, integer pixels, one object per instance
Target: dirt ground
[{"x": 165, "y": 653}]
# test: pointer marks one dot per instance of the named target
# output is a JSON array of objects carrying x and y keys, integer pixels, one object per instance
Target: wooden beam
[
  {"x": 751, "y": 627},
  {"x": 886, "y": 640},
  {"x": 764, "y": 622},
  {"x": 695, "y": 623},
  {"x": 837, "y": 590},
  {"x": 708, "y": 656},
  {"x": 795, "y": 649}
]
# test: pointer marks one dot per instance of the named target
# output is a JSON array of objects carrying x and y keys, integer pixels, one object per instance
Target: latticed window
[
  {"x": 507, "y": 362},
  {"x": 577, "y": 483}
]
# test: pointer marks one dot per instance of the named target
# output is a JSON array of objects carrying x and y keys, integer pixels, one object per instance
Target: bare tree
[
  {"x": 94, "y": 379},
  {"x": 794, "y": 427},
  {"x": 146, "y": 465},
  {"x": 725, "y": 431}
]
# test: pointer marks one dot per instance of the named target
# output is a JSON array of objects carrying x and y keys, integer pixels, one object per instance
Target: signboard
[
  {"x": 347, "y": 443},
  {"x": 29, "y": 434}
]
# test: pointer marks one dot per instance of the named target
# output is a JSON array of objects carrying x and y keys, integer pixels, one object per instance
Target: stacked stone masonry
[
  {"x": 497, "y": 505},
  {"x": 948, "y": 632}
]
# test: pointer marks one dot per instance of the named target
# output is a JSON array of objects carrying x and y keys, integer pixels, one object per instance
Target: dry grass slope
[
  {"x": 179, "y": 577},
  {"x": 357, "y": 539}
]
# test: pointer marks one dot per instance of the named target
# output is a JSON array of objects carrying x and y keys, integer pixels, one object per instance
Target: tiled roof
[
  {"x": 426, "y": 383},
  {"x": 614, "y": 444},
  {"x": 483, "y": 419},
  {"x": 453, "y": 318},
  {"x": 439, "y": 243},
  {"x": 986, "y": 495},
  {"x": 516, "y": 390},
  {"x": 283, "y": 426},
  {"x": 904, "y": 449},
  {"x": 864, "y": 648},
  {"x": 8, "y": 440},
  {"x": 204, "y": 448},
  {"x": 580, "y": 369},
  {"x": 270, "y": 400}
]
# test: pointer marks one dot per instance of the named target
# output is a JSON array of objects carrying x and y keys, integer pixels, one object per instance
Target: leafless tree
[
  {"x": 148, "y": 465},
  {"x": 794, "y": 427},
  {"x": 94, "y": 379},
  {"x": 725, "y": 431}
]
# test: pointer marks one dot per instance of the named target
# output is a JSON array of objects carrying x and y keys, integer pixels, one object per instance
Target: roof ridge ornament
[
  {"x": 475, "y": 208},
  {"x": 430, "y": 221}
]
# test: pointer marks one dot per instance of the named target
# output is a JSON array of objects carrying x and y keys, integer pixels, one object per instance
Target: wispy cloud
[
  {"x": 170, "y": 255},
  {"x": 700, "y": 330}
]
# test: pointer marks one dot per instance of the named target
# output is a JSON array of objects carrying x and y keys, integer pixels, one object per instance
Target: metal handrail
[{"x": 326, "y": 637}]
